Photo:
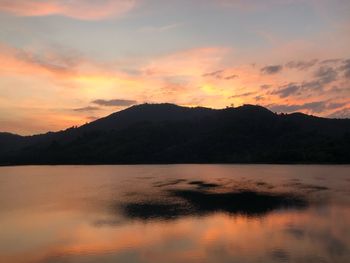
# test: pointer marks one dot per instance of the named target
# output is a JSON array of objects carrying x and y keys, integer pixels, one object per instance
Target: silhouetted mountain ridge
[
  {"x": 167, "y": 133},
  {"x": 147, "y": 112}
]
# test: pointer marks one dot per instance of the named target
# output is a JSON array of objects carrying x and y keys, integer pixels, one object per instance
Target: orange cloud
[
  {"x": 192, "y": 62},
  {"x": 62, "y": 80},
  {"x": 16, "y": 61},
  {"x": 78, "y": 9}
]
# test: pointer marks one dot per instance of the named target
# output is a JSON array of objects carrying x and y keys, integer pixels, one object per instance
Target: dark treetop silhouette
[{"x": 167, "y": 133}]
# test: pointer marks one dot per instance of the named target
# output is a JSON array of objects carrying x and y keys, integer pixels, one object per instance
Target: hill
[{"x": 167, "y": 133}]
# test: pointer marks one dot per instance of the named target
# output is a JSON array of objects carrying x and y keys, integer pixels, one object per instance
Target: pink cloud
[
  {"x": 192, "y": 62},
  {"x": 78, "y": 9},
  {"x": 47, "y": 62},
  {"x": 196, "y": 77}
]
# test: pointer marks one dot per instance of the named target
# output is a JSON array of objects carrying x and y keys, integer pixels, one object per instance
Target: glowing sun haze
[{"x": 67, "y": 62}]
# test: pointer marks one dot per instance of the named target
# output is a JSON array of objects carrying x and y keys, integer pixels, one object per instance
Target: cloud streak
[
  {"x": 78, "y": 9},
  {"x": 313, "y": 107},
  {"x": 273, "y": 69},
  {"x": 346, "y": 68},
  {"x": 301, "y": 64},
  {"x": 326, "y": 75},
  {"x": 114, "y": 102},
  {"x": 285, "y": 91},
  {"x": 340, "y": 114},
  {"x": 220, "y": 74},
  {"x": 316, "y": 106},
  {"x": 58, "y": 61},
  {"x": 86, "y": 109}
]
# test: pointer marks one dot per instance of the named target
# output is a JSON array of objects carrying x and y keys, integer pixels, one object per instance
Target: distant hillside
[{"x": 167, "y": 133}]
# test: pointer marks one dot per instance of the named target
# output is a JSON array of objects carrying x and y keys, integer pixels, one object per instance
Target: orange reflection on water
[
  {"x": 54, "y": 237},
  {"x": 73, "y": 221}
]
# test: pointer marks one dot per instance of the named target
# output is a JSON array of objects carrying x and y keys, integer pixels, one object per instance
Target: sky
[{"x": 64, "y": 63}]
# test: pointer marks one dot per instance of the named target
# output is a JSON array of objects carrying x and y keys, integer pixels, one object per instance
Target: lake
[{"x": 175, "y": 213}]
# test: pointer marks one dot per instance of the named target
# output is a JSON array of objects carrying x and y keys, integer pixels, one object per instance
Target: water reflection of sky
[{"x": 82, "y": 214}]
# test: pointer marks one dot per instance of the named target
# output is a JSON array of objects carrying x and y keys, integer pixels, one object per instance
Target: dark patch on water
[
  {"x": 260, "y": 183},
  {"x": 169, "y": 183},
  {"x": 202, "y": 184},
  {"x": 181, "y": 202},
  {"x": 336, "y": 247},
  {"x": 307, "y": 187},
  {"x": 280, "y": 255},
  {"x": 244, "y": 202},
  {"x": 155, "y": 210},
  {"x": 295, "y": 231},
  {"x": 264, "y": 185},
  {"x": 332, "y": 244}
]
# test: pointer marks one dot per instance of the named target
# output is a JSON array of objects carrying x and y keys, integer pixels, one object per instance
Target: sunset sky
[{"x": 68, "y": 62}]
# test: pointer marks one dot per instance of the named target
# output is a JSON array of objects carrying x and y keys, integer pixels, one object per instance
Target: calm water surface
[{"x": 175, "y": 213}]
